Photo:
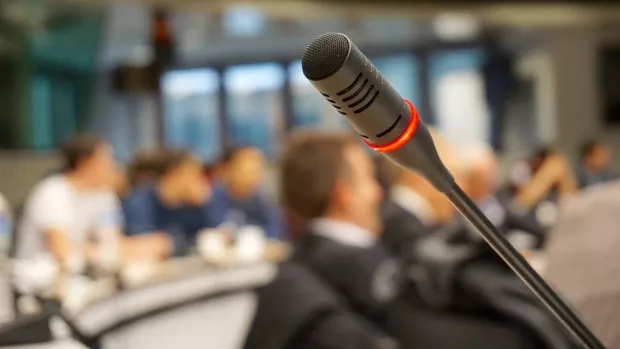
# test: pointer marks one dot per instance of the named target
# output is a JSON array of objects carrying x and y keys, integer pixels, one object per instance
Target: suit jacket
[
  {"x": 367, "y": 279},
  {"x": 299, "y": 311}
]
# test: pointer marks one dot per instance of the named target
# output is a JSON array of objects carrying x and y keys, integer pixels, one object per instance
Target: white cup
[
  {"x": 211, "y": 244},
  {"x": 250, "y": 244}
]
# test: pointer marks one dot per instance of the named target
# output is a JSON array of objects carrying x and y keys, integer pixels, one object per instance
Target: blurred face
[
  {"x": 245, "y": 173},
  {"x": 359, "y": 194},
  {"x": 444, "y": 211},
  {"x": 101, "y": 167},
  {"x": 193, "y": 187},
  {"x": 481, "y": 181},
  {"x": 600, "y": 158},
  {"x": 120, "y": 182}
]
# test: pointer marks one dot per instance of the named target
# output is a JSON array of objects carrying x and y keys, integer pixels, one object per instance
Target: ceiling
[
  {"x": 34, "y": 14},
  {"x": 489, "y": 12}
]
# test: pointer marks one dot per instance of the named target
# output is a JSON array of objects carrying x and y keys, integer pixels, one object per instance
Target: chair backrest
[
  {"x": 58, "y": 344},
  {"x": 214, "y": 309},
  {"x": 221, "y": 322},
  {"x": 44, "y": 330}
]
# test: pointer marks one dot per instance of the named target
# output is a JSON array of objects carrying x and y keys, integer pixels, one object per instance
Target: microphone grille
[{"x": 324, "y": 56}]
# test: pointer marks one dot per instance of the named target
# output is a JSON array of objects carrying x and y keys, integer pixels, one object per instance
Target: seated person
[
  {"x": 328, "y": 180},
  {"x": 414, "y": 207},
  {"x": 595, "y": 163},
  {"x": 173, "y": 205},
  {"x": 63, "y": 210},
  {"x": 550, "y": 179},
  {"x": 480, "y": 183},
  {"x": 112, "y": 245},
  {"x": 144, "y": 168},
  {"x": 237, "y": 199}
]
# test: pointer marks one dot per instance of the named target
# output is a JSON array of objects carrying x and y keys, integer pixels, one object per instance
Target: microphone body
[
  {"x": 374, "y": 109},
  {"x": 391, "y": 125}
]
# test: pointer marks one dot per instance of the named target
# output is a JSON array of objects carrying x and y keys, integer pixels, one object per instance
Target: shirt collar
[
  {"x": 343, "y": 232},
  {"x": 414, "y": 203}
]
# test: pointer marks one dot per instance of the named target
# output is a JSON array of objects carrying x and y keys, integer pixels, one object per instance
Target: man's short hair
[
  {"x": 171, "y": 159},
  {"x": 312, "y": 165},
  {"x": 230, "y": 153},
  {"x": 146, "y": 165},
  {"x": 78, "y": 149}
]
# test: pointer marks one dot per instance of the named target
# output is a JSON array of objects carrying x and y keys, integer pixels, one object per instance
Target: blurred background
[
  {"x": 83, "y": 65},
  {"x": 533, "y": 80}
]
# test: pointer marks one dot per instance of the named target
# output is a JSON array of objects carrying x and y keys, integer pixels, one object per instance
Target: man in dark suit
[{"x": 328, "y": 181}]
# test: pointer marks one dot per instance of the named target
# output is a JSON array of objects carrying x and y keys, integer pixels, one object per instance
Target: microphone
[
  {"x": 385, "y": 121},
  {"x": 390, "y": 125}
]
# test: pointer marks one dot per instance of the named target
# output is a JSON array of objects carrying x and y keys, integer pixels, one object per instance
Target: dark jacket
[
  {"x": 401, "y": 230},
  {"x": 299, "y": 311},
  {"x": 367, "y": 279},
  {"x": 372, "y": 282},
  {"x": 458, "y": 275}
]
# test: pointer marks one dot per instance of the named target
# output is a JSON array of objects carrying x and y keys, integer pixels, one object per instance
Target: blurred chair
[
  {"x": 421, "y": 329},
  {"x": 44, "y": 330},
  {"x": 211, "y": 310}
]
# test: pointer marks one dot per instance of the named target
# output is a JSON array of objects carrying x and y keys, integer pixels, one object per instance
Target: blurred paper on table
[
  {"x": 213, "y": 246},
  {"x": 250, "y": 244},
  {"x": 139, "y": 273}
]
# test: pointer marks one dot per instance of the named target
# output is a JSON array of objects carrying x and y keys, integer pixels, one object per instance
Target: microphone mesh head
[{"x": 324, "y": 56}]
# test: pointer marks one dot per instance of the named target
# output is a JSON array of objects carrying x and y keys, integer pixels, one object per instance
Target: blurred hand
[
  {"x": 554, "y": 172},
  {"x": 556, "y": 165}
]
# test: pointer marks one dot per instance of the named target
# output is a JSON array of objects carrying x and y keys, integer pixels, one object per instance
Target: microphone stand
[{"x": 522, "y": 268}]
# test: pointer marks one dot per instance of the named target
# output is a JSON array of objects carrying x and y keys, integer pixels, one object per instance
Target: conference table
[
  {"x": 192, "y": 299},
  {"x": 76, "y": 292}
]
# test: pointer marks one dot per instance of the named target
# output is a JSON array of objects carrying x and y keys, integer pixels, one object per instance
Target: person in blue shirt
[
  {"x": 237, "y": 200},
  {"x": 595, "y": 164},
  {"x": 173, "y": 204}
]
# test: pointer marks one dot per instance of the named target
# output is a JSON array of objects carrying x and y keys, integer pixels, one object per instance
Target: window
[
  {"x": 254, "y": 105},
  {"x": 54, "y": 114},
  {"x": 457, "y": 95},
  {"x": 42, "y": 136},
  {"x": 310, "y": 109},
  {"x": 191, "y": 113},
  {"x": 244, "y": 21},
  {"x": 402, "y": 71}
]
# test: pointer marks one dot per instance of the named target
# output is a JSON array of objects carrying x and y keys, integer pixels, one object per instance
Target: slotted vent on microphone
[
  {"x": 359, "y": 95},
  {"x": 324, "y": 56}
]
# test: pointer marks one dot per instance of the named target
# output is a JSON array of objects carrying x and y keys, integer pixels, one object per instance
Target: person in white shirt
[{"x": 63, "y": 210}]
